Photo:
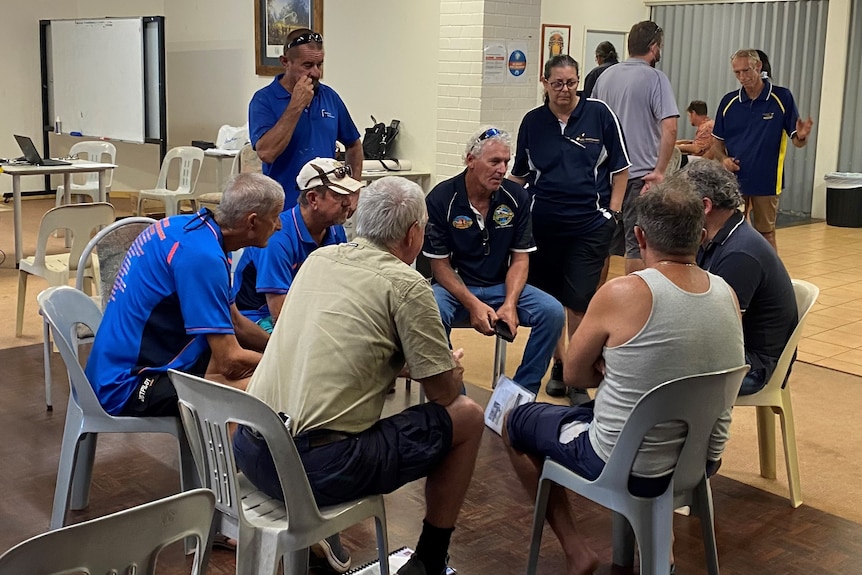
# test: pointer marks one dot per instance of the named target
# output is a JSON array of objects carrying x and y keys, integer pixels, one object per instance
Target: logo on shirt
[
  {"x": 325, "y": 114},
  {"x": 768, "y": 115},
  {"x": 503, "y": 216},
  {"x": 462, "y": 222},
  {"x": 583, "y": 138}
]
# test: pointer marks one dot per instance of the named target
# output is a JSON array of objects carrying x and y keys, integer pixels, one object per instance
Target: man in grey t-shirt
[{"x": 643, "y": 100}]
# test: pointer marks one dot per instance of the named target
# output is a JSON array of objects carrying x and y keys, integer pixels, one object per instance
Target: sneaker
[
  {"x": 555, "y": 386},
  {"x": 577, "y": 396},
  {"x": 334, "y": 553},
  {"x": 415, "y": 567}
]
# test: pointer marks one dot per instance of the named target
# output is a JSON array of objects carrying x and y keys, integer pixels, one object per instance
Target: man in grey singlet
[{"x": 634, "y": 323}]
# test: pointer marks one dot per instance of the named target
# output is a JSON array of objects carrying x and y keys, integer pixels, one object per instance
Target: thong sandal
[{"x": 224, "y": 542}]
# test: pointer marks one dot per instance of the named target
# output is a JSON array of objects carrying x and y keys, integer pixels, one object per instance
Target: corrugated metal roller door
[{"x": 699, "y": 40}]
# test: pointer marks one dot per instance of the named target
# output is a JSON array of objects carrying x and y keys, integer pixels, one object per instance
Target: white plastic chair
[
  {"x": 698, "y": 401},
  {"x": 94, "y": 152},
  {"x": 81, "y": 219},
  {"x": 65, "y": 308},
  {"x": 108, "y": 249},
  {"x": 774, "y": 399},
  {"x": 128, "y": 541},
  {"x": 267, "y": 530},
  {"x": 190, "y": 159}
]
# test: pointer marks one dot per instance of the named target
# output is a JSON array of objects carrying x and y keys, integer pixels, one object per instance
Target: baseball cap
[{"x": 329, "y": 173}]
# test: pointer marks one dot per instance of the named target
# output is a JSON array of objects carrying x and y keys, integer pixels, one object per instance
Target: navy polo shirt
[
  {"x": 569, "y": 170},
  {"x": 746, "y": 261},
  {"x": 756, "y": 133},
  {"x": 324, "y": 121},
  {"x": 478, "y": 248},
  {"x": 271, "y": 269},
  {"x": 172, "y": 290}
]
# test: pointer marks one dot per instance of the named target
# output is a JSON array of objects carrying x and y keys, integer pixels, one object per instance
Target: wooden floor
[{"x": 757, "y": 531}]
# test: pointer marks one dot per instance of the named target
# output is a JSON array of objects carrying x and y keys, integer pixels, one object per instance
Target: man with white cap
[{"x": 263, "y": 277}]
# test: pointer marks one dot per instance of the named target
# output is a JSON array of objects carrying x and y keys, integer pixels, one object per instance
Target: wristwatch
[{"x": 618, "y": 215}]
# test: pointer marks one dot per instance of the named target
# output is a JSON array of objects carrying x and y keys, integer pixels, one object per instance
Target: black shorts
[
  {"x": 393, "y": 452},
  {"x": 569, "y": 268},
  {"x": 155, "y": 396},
  {"x": 624, "y": 242}
]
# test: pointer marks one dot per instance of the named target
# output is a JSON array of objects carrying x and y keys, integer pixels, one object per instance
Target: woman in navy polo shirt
[{"x": 572, "y": 158}]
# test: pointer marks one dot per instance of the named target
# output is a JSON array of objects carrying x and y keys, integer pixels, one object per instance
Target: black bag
[{"x": 379, "y": 140}]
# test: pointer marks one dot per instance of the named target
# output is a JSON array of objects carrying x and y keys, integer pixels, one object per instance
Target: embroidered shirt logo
[
  {"x": 503, "y": 215},
  {"x": 462, "y": 222},
  {"x": 583, "y": 138},
  {"x": 325, "y": 114},
  {"x": 768, "y": 116}
]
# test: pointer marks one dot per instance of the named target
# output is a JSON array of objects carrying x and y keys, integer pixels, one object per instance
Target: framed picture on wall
[
  {"x": 273, "y": 21},
  {"x": 555, "y": 41}
]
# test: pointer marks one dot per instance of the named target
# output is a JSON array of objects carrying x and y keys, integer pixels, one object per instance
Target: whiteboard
[
  {"x": 97, "y": 67},
  {"x": 593, "y": 38}
]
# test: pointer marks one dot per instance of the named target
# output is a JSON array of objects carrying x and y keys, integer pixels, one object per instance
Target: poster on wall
[
  {"x": 555, "y": 41},
  {"x": 494, "y": 62},
  {"x": 516, "y": 61}
]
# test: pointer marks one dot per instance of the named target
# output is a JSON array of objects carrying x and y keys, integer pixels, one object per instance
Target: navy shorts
[
  {"x": 569, "y": 268},
  {"x": 155, "y": 396},
  {"x": 534, "y": 428},
  {"x": 393, "y": 452}
]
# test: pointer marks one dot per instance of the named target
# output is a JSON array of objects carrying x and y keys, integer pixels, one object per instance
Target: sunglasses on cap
[
  {"x": 304, "y": 39},
  {"x": 339, "y": 173}
]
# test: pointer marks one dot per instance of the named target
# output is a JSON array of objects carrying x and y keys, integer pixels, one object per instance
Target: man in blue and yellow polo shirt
[{"x": 752, "y": 126}]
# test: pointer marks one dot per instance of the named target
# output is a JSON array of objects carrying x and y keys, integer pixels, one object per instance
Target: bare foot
[{"x": 583, "y": 563}]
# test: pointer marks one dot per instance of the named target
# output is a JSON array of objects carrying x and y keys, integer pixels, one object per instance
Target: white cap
[{"x": 322, "y": 172}]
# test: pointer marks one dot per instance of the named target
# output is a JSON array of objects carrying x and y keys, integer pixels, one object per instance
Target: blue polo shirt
[
  {"x": 569, "y": 168},
  {"x": 324, "y": 121},
  {"x": 746, "y": 261},
  {"x": 756, "y": 133},
  {"x": 271, "y": 269},
  {"x": 478, "y": 248},
  {"x": 172, "y": 289}
]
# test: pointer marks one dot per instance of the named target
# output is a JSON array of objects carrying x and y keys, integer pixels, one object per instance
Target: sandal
[{"x": 224, "y": 542}]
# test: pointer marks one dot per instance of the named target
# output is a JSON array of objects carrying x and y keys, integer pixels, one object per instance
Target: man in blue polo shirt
[
  {"x": 170, "y": 306},
  {"x": 478, "y": 238},
  {"x": 264, "y": 275},
  {"x": 746, "y": 261},
  {"x": 752, "y": 125},
  {"x": 296, "y": 118}
]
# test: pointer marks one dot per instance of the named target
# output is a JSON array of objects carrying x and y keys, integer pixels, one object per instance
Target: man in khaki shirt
[{"x": 355, "y": 315}]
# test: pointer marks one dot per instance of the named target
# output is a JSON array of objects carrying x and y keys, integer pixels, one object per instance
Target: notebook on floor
[
  {"x": 396, "y": 560},
  {"x": 32, "y": 156}
]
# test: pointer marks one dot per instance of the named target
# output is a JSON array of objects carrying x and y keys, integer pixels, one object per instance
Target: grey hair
[
  {"x": 248, "y": 193},
  {"x": 671, "y": 217},
  {"x": 747, "y": 53},
  {"x": 711, "y": 180},
  {"x": 387, "y": 208},
  {"x": 475, "y": 146}
]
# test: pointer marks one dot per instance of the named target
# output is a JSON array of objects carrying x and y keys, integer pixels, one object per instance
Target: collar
[
  {"x": 205, "y": 218},
  {"x": 731, "y": 225},
  {"x": 299, "y": 225},
  {"x": 573, "y": 116},
  {"x": 636, "y": 61},
  {"x": 764, "y": 93}
]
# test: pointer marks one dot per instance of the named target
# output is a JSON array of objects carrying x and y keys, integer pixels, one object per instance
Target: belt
[{"x": 307, "y": 439}]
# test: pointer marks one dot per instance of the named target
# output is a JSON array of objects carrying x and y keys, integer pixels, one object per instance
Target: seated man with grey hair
[
  {"x": 478, "y": 239},
  {"x": 738, "y": 253},
  {"x": 170, "y": 306},
  {"x": 333, "y": 388}
]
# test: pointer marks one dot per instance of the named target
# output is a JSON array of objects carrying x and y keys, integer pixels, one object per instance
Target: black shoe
[
  {"x": 555, "y": 386},
  {"x": 334, "y": 553},
  {"x": 577, "y": 396},
  {"x": 415, "y": 567}
]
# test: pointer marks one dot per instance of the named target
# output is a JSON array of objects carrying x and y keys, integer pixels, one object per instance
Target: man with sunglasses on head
[
  {"x": 479, "y": 238},
  {"x": 264, "y": 275},
  {"x": 296, "y": 118},
  {"x": 643, "y": 100}
]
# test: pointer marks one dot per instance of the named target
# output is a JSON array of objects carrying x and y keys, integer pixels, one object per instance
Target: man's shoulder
[
  {"x": 444, "y": 190},
  {"x": 782, "y": 93},
  {"x": 725, "y": 102}
]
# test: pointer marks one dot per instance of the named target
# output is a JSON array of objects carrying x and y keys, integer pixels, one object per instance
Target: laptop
[{"x": 33, "y": 157}]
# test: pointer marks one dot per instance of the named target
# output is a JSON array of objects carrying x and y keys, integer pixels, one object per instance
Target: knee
[{"x": 467, "y": 415}]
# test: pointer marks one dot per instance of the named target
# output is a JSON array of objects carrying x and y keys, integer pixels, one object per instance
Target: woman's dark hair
[
  {"x": 561, "y": 61},
  {"x": 764, "y": 61},
  {"x": 606, "y": 51}
]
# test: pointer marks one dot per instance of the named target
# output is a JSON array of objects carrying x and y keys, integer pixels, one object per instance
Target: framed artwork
[
  {"x": 273, "y": 21},
  {"x": 555, "y": 41}
]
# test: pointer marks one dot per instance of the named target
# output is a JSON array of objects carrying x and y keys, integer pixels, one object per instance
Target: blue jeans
[{"x": 536, "y": 310}]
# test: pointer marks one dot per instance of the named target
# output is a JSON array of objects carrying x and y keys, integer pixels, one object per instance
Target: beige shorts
[{"x": 765, "y": 210}]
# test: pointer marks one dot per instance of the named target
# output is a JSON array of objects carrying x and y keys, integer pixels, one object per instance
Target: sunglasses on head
[
  {"x": 339, "y": 173},
  {"x": 489, "y": 133},
  {"x": 655, "y": 34},
  {"x": 304, "y": 39}
]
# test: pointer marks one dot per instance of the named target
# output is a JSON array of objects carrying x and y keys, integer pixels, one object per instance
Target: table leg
[
  {"x": 16, "y": 217},
  {"x": 67, "y": 199},
  {"x": 219, "y": 174},
  {"x": 103, "y": 193}
]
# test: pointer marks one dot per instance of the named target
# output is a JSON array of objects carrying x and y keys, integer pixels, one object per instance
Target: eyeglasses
[
  {"x": 486, "y": 246},
  {"x": 558, "y": 85},
  {"x": 304, "y": 39},
  {"x": 340, "y": 173}
]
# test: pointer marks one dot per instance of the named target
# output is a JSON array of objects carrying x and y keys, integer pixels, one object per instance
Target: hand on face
[{"x": 303, "y": 92}]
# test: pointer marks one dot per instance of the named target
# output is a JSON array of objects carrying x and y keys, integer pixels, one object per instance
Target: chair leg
[
  {"x": 82, "y": 474},
  {"x": 624, "y": 541},
  {"x": 295, "y": 563},
  {"x": 766, "y": 441},
  {"x": 171, "y": 208},
  {"x": 68, "y": 454},
  {"x": 653, "y": 532},
  {"x": 702, "y": 506},
  {"x": 46, "y": 353},
  {"x": 538, "y": 524},
  {"x": 140, "y": 203},
  {"x": 788, "y": 430},
  {"x": 382, "y": 544},
  {"x": 22, "y": 297}
]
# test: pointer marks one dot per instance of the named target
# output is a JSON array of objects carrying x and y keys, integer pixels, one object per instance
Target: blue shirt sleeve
[
  {"x": 202, "y": 285},
  {"x": 523, "y": 224},
  {"x": 261, "y": 118},
  {"x": 791, "y": 114},
  {"x": 277, "y": 264},
  {"x": 436, "y": 230},
  {"x": 521, "y": 167}
]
